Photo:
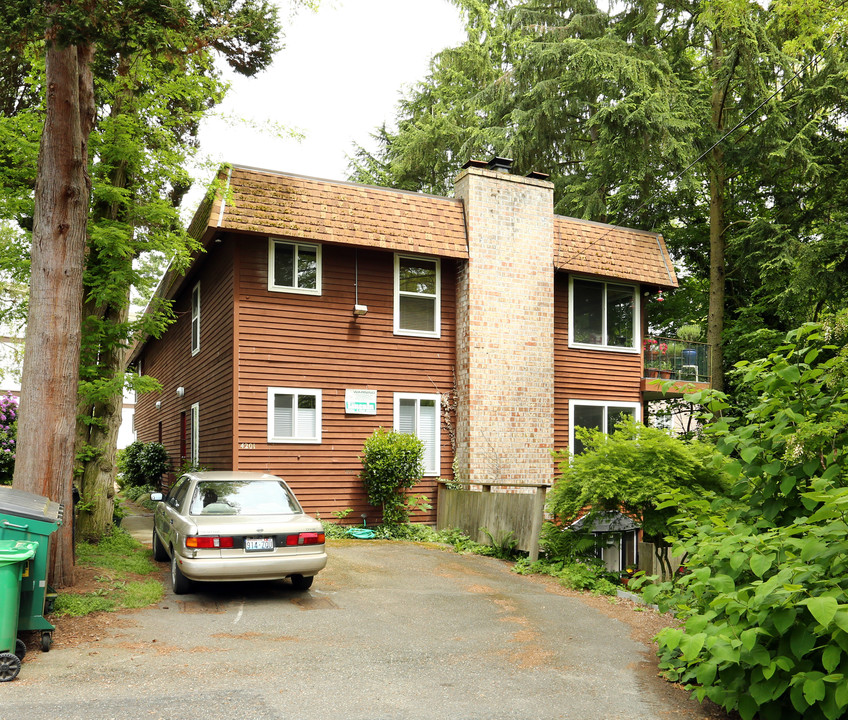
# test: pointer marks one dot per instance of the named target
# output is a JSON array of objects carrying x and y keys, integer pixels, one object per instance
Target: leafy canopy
[
  {"x": 629, "y": 471},
  {"x": 765, "y": 606}
]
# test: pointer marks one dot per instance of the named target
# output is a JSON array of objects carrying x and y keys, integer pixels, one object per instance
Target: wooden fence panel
[{"x": 500, "y": 513}]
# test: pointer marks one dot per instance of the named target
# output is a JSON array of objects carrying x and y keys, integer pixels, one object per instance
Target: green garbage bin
[
  {"x": 27, "y": 516},
  {"x": 14, "y": 556}
]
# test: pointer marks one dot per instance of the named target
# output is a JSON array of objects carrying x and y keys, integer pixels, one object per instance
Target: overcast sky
[{"x": 339, "y": 76}]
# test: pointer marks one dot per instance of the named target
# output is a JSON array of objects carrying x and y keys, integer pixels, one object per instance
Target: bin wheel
[
  {"x": 10, "y": 666},
  {"x": 46, "y": 641},
  {"x": 20, "y": 648}
]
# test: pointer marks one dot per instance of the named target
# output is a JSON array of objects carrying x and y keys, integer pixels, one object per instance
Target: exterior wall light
[
  {"x": 180, "y": 391},
  {"x": 158, "y": 404}
]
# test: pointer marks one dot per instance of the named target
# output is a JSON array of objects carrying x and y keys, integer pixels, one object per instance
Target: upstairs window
[
  {"x": 418, "y": 415},
  {"x": 294, "y": 415},
  {"x": 195, "y": 320},
  {"x": 603, "y": 315},
  {"x": 294, "y": 267},
  {"x": 417, "y": 296}
]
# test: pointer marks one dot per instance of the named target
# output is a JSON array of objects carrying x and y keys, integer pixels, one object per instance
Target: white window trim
[
  {"x": 195, "y": 348},
  {"x": 637, "y": 315},
  {"x": 194, "y": 451},
  {"x": 637, "y": 414},
  {"x": 296, "y": 392},
  {"x": 272, "y": 243},
  {"x": 398, "y": 396},
  {"x": 437, "y": 313}
]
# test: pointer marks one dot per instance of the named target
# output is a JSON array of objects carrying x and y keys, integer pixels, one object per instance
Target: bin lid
[
  {"x": 13, "y": 551},
  {"x": 28, "y": 505}
]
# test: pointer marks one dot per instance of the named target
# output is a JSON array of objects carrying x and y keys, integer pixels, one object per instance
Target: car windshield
[{"x": 242, "y": 497}]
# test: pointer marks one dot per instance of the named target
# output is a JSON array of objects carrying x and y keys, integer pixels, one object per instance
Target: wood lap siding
[
  {"x": 586, "y": 374},
  {"x": 207, "y": 376},
  {"x": 314, "y": 342}
]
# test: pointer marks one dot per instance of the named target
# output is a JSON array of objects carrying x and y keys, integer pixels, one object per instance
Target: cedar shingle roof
[
  {"x": 336, "y": 212},
  {"x": 271, "y": 203},
  {"x": 612, "y": 251}
]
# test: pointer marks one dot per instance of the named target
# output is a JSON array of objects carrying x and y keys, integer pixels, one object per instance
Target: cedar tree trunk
[{"x": 46, "y": 426}]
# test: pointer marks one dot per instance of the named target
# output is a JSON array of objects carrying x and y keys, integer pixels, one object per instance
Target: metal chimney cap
[
  {"x": 501, "y": 164},
  {"x": 475, "y": 163}
]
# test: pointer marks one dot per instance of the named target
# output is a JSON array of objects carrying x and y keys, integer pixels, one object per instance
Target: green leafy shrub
[
  {"x": 765, "y": 596},
  {"x": 391, "y": 462},
  {"x": 627, "y": 471},
  {"x": 142, "y": 464},
  {"x": 591, "y": 576}
]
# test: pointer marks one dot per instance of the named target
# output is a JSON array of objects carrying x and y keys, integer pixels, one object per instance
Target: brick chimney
[{"x": 505, "y": 327}]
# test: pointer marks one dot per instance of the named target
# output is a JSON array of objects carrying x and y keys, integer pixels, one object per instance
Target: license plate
[{"x": 258, "y": 544}]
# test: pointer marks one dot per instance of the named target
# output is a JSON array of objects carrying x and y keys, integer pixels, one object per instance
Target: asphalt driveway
[{"x": 388, "y": 630}]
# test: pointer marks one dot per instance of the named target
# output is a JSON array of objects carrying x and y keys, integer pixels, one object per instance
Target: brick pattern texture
[{"x": 505, "y": 329}]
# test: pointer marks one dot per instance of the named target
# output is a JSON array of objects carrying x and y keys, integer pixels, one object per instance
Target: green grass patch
[
  {"x": 121, "y": 559},
  {"x": 119, "y": 552}
]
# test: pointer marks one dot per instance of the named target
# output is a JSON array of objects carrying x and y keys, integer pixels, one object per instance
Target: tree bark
[
  {"x": 46, "y": 423},
  {"x": 98, "y": 424},
  {"x": 718, "y": 182}
]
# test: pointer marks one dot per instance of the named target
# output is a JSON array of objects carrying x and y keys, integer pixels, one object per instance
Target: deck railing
[{"x": 671, "y": 359}]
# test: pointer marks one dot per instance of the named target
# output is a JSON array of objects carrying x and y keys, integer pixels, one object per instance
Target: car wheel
[
  {"x": 10, "y": 666},
  {"x": 302, "y": 583},
  {"x": 159, "y": 552},
  {"x": 180, "y": 582}
]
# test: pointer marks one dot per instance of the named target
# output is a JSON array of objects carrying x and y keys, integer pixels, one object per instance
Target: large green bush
[
  {"x": 765, "y": 601},
  {"x": 391, "y": 462},
  {"x": 628, "y": 471},
  {"x": 143, "y": 464}
]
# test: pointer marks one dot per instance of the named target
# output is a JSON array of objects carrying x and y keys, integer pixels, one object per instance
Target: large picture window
[
  {"x": 294, "y": 415},
  {"x": 418, "y": 415},
  {"x": 597, "y": 415},
  {"x": 603, "y": 315},
  {"x": 417, "y": 296},
  {"x": 294, "y": 267}
]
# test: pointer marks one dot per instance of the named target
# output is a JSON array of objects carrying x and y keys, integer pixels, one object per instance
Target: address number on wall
[{"x": 247, "y": 446}]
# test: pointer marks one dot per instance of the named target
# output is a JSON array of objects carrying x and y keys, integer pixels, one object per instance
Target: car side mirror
[{"x": 156, "y": 497}]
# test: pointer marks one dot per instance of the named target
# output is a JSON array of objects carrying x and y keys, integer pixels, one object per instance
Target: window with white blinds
[
  {"x": 418, "y": 415},
  {"x": 294, "y": 415},
  {"x": 418, "y": 284}
]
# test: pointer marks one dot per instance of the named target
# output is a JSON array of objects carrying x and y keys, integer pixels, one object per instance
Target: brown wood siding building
[
  {"x": 315, "y": 342},
  {"x": 206, "y": 377},
  {"x": 295, "y": 341},
  {"x": 585, "y": 374},
  {"x": 253, "y": 339}
]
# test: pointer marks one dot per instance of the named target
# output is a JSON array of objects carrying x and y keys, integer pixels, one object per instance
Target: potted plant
[
  {"x": 650, "y": 346},
  {"x": 690, "y": 333}
]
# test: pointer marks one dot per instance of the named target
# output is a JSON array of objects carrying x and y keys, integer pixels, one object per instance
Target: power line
[{"x": 706, "y": 152}]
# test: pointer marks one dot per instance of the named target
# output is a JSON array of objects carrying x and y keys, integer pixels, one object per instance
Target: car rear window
[{"x": 243, "y": 497}]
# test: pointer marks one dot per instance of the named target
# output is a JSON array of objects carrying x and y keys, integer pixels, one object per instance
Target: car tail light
[
  {"x": 305, "y": 538},
  {"x": 206, "y": 542}
]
